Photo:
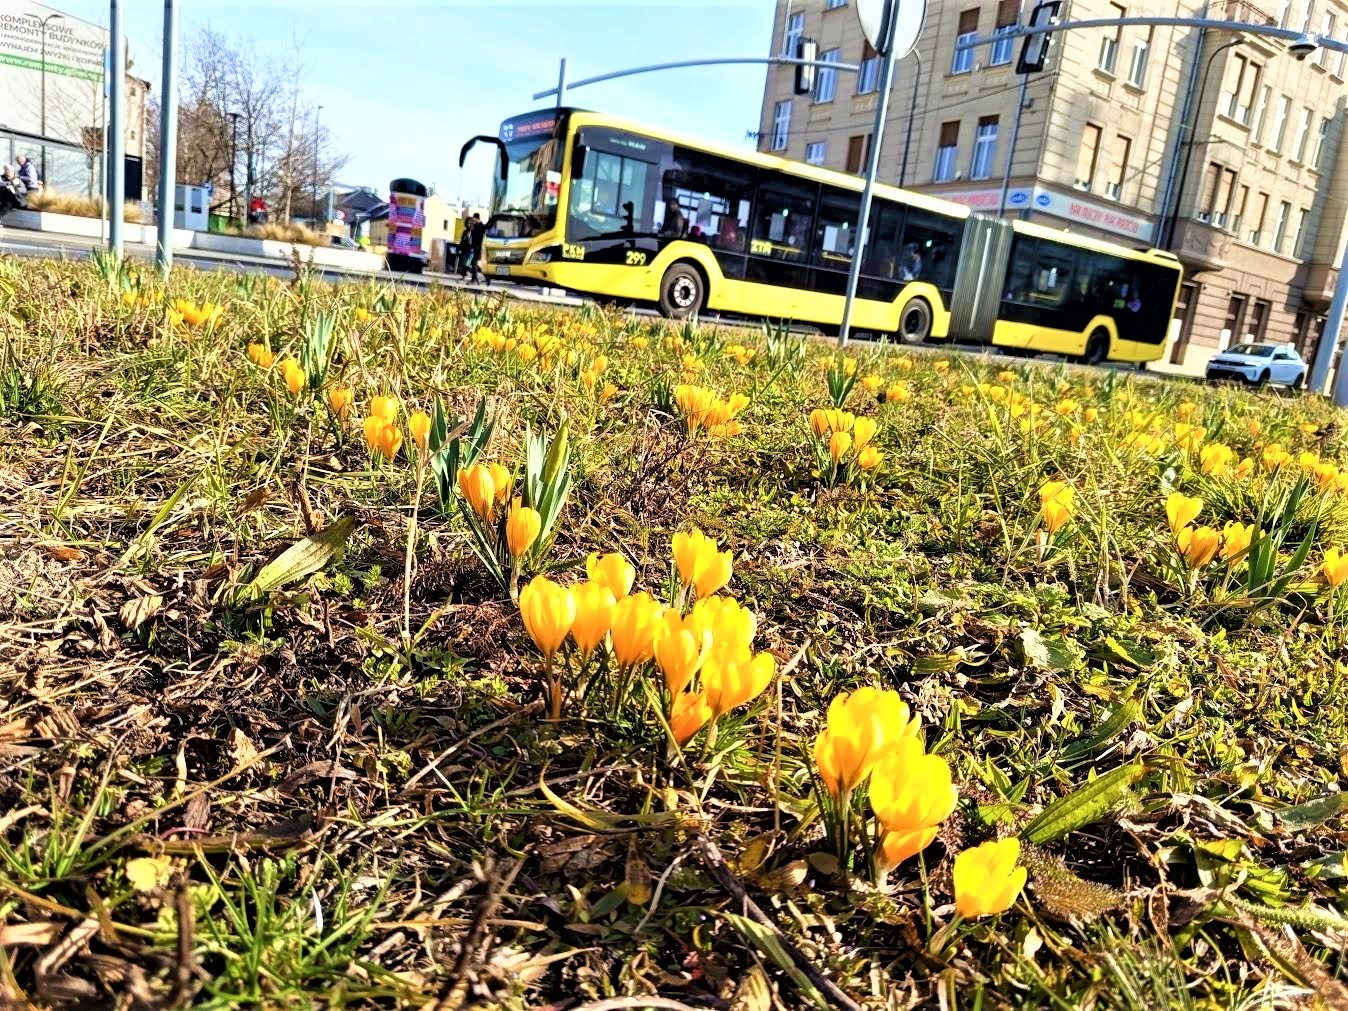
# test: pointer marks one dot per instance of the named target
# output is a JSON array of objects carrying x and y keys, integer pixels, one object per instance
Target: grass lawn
[{"x": 275, "y": 733}]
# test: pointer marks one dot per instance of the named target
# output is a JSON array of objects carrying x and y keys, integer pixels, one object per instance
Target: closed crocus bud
[
  {"x": 419, "y": 428},
  {"x": 729, "y": 683},
  {"x": 478, "y": 488},
  {"x": 500, "y": 482},
  {"x": 869, "y": 458},
  {"x": 1057, "y": 502},
  {"x": 1198, "y": 545},
  {"x": 1335, "y": 567},
  {"x": 838, "y": 445},
  {"x": 613, "y": 571},
  {"x": 1236, "y": 538},
  {"x": 340, "y": 399},
  {"x": 700, "y": 565},
  {"x": 861, "y": 726},
  {"x": 632, "y": 634},
  {"x": 987, "y": 879},
  {"x": 1181, "y": 510},
  {"x": 819, "y": 423},
  {"x": 522, "y": 527},
  {"x": 547, "y": 610},
  {"x": 594, "y": 614},
  {"x": 898, "y": 393},
  {"x": 384, "y": 407},
  {"x": 863, "y": 430},
  {"x": 680, "y": 647},
  {"x": 689, "y": 714},
  {"x": 911, "y": 793},
  {"x": 730, "y": 624},
  {"x": 294, "y": 375}
]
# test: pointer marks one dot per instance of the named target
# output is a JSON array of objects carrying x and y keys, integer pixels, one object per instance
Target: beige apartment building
[{"x": 1104, "y": 135}]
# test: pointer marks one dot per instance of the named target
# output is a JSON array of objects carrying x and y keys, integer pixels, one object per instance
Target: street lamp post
[
  {"x": 42, "y": 101},
  {"x": 1172, "y": 222},
  {"x": 912, "y": 114},
  {"x": 315, "y": 194},
  {"x": 233, "y": 160}
]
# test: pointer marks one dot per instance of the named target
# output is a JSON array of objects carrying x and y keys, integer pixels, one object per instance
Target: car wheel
[
  {"x": 682, "y": 291},
  {"x": 1097, "y": 348},
  {"x": 1263, "y": 379},
  {"x": 1300, "y": 381},
  {"x": 915, "y": 321}
]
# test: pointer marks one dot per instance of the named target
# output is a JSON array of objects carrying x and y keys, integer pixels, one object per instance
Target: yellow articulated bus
[{"x": 601, "y": 206}]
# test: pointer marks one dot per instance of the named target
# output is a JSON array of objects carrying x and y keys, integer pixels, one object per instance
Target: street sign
[{"x": 896, "y": 23}]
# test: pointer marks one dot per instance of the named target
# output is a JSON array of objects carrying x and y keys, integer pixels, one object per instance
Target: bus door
[
  {"x": 1041, "y": 300},
  {"x": 611, "y": 213}
]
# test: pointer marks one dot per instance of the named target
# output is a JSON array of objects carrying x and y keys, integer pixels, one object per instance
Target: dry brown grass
[
  {"x": 286, "y": 233},
  {"x": 53, "y": 202}
]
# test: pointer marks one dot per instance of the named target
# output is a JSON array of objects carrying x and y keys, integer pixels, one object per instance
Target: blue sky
[{"x": 403, "y": 85}]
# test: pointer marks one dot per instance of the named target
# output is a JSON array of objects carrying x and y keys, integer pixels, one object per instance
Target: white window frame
[
  {"x": 1280, "y": 225},
  {"x": 795, "y": 31},
  {"x": 833, "y": 5},
  {"x": 946, "y": 160},
  {"x": 1280, "y": 123},
  {"x": 1260, "y": 113},
  {"x": 1003, "y": 48},
  {"x": 1137, "y": 64},
  {"x": 1301, "y": 238},
  {"x": 1323, "y": 135},
  {"x": 985, "y": 150},
  {"x": 1302, "y": 135},
  {"x": 962, "y": 61},
  {"x": 826, "y": 84},
  {"x": 816, "y": 152},
  {"x": 781, "y": 125},
  {"x": 1328, "y": 22},
  {"x": 868, "y": 77},
  {"x": 1109, "y": 44}
]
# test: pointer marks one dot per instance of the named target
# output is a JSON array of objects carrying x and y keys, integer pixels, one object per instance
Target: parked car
[
  {"x": 343, "y": 242},
  {"x": 1259, "y": 363}
]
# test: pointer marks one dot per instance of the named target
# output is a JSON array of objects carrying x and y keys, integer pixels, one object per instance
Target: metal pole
[
  {"x": 912, "y": 114},
  {"x": 1015, "y": 136},
  {"x": 116, "y": 132},
  {"x": 1172, "y": 222},
  {"x": 233, "y": 160},
  {"x": 872, "y": 169},
  {"x": 1190, "y": 84},
  {"x": 168, "y": 140},
  {"x": 315, "y": 193},
  {"x": 561, "y": 83},
  {"x": 103, "y": 153},
  {"x": 1329, "y": 340},
  {"x": 851, "y": 68}
]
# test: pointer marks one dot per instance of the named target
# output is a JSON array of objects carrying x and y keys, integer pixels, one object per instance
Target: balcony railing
[
  {"x": 1200, "y": 246},
  {"x": 1242, "y": 10}
]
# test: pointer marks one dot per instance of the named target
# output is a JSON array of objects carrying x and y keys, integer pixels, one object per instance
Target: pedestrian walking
[
  {"x": 473, "y": 235},
  {"x": 13, "y": 193}
]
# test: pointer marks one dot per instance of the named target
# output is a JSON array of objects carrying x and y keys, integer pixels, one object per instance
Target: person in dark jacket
[
  {"x": 12, "y": 192},
  {"x": 473, "y": 235},
  {"x": 28, "y": 174}
]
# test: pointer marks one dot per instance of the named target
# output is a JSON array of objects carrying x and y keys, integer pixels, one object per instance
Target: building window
[
  {"x": 1260, "y": 114},
  {"x": 963, "y": 60},
  {"x": 1307, "y": 16},
  {"x": 868, "y": 78},
  {"x": 1280, "y": 226},
  {"x": 1259, "y": 319},
  {"x": 1109, "y": 45},
  {"x": 1328, "y": 23},
  {"x": 1240, "y": 99},
  {"x": 1087, "y": 155},
  {"x": 1284, "y": 11},
  {"x": 1008, "y": 13},
  {"x": 1256, "y": 224},
  {"x": 1301, "y": 239},
  {"x": 1318, "y": 157},
  {"x": 1137, "y": 66},
  {"x": 816, "y": 152},
  {"x": 833, "y": 5},
  {"x": 827, "y": 83},
  {"x": 858, "y": 152},
  {"x": 1242, "y": 205},
  {"x": 1303, "y": 134},
  {"x": 1280, "y": 123},
  {"x": 795, "y": 28},
  {"x": 947, "y": 151},
  {"x": 1123, "y": 148},
  {"x": 781, "y": 125},
  {"x": 985, "y": 148},
  {"x": 1218, "y": 186}
]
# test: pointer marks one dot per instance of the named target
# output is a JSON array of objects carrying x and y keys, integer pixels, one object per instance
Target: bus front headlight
[{"x": 542, "y": 256}]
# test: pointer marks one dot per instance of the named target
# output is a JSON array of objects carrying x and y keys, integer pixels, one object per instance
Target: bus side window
[
  {"x": 1020, "y": 274},
  {"x": 712, "y": 195},
  {"x": 882, "y": 246},
  {"x": 928, "y": 246},
  {"x": 835, "y": 234},
  {"x": 783, "y": 215}
]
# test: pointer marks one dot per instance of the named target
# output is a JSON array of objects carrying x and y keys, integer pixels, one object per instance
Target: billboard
[{"x": 74, "y": 71}]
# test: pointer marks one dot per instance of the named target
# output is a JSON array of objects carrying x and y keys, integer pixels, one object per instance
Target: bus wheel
[
  {"x": 682, "y": 292},
  {"x": 1097, "y": 348},
  {"x": 915, "y": 321}
]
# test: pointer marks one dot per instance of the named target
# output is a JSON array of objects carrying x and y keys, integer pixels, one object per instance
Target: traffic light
[
  {"x": 806, "y": 49},
  {"x": 1034, "y": 48}
]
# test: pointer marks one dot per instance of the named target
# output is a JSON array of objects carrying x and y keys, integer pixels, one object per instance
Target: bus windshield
[{"x": 525, "y": 202}]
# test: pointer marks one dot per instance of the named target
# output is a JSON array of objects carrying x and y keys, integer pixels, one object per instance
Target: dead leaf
[
  {"x": 138, "y": 610},
  {"x": 241, "y": 749},
  {"x": 638, "y": 876},
  {"x": 28, "y": 934},
  {"x": 63, "y": 552},
  {"x": 754, "y": 992},
  {"x": 255, "y": 500}
]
